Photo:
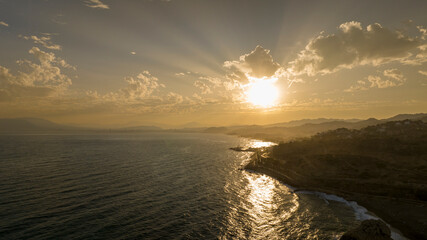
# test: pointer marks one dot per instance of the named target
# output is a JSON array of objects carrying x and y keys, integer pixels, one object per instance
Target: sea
[{"x": 154, "y": 186}]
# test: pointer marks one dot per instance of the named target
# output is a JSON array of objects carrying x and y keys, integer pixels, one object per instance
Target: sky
[{"x": 105, "y": 63}]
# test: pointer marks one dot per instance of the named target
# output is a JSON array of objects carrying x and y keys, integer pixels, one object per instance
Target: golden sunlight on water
[
  {"x": 246, "y": 156},
  {"x": 259, "y": 144},
  {"x": 263, "y": 207}
]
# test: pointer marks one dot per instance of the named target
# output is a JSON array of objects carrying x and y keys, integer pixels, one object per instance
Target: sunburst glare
[{"x": 262, "y": 92}]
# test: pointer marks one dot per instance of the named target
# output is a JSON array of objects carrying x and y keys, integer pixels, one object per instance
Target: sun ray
[{"x": 262, "y": 92}]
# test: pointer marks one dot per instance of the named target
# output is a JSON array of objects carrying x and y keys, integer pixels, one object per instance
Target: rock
[{"x": 369, "y": 230}]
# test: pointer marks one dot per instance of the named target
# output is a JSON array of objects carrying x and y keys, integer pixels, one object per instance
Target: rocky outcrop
[{"x": 369, "y": 230}]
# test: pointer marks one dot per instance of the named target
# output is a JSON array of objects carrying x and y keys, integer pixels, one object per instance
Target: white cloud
[
  {"x": 144, "y": 93},
  {"x": 258, "y": 64},
  {"x": 204, "y": 88},
  {"x": 139, "y": 88},
  {"x": 96, "y": 4},
  {"x": 41, "y": 79},
  {"x": 216, "y": 82},
  {"x": 351, "y": 46},
  {"x": 378, "y": 82},
  {"x": 423, "y": 31},
  {"x": 212, "y": 89},
  {"x": 391, "y": 78},
  {"x": 4, "y": 24},
  {"x": 423, "y": 72},
  {"x": 394, "y": 74},
  {"x": 45, "y": 41}
]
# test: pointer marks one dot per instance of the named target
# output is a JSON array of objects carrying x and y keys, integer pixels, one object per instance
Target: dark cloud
[
  {"x": 352, "y": 46},
  {"x": 258, "y": 63}
]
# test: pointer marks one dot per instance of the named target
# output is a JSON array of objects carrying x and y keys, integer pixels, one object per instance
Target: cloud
[
  {"x": 391, "y": 78},
  {"x": 59, "y": 19},
  {"x": 142, "y": 94},
  {"x": 394, "y": 74},
  {"x": 423, "y": 72},
  {"x": 378, "y": 82},
  {"x": 138, "y": 88},
  {"x": 423, "y": 31},
  {"x": 45, "y": 41},
  {"x": 229, "y": 89},
  {"x": 204, "y": 88},
  {"x": 212, "y": 89},
  {"x": 96, "y": 4},
  {"x": 4, "y": 24},
  {"x": 44, "y": 87},
  {"x": 352, "y": 46},
  {"x": 42, "y": 79},
  {"x": 133, "y": 53},
  {"x": 258, "y": 64}
]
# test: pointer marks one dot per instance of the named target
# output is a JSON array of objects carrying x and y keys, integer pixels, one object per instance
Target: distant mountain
[
  {"x": 400, "y": 117},
  {"x": 296, "y": 123},
  {"x": 190, "y": 125},
  {"x": 31, "y": 125},
  {"x": 140, "y": 128},
  {"x": 309, "y": 127},
  {"x": 277, "y": 132},
  {"x": 216, "y": 130}
]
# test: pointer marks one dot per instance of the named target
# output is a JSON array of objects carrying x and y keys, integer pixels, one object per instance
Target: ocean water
[{"x": 152, "y": 186}]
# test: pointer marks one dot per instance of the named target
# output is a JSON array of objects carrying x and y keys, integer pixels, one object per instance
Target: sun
[{"x": 262, "y": 92}]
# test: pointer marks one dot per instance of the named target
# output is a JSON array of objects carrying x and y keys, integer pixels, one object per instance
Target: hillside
[
  {"x": 285, "y": 132},
  {"x": 382, "y": 167}
]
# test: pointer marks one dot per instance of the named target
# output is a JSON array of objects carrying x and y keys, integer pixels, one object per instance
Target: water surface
[{"x": 151, "y": 186}]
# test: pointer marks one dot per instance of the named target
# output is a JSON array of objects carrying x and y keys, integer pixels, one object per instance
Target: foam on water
[{"x": 360, "y": 212}]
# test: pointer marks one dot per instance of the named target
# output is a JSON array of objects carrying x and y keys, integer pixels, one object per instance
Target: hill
[
  {"x": 291, "y": 130},
  {"x": 37, "y": 125},
  {"x": 19, "y": 125},
  {"x": 383, "y": 167}
]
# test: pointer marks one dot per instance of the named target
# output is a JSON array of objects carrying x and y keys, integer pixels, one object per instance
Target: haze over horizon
[{"x": 127, "y": 63}]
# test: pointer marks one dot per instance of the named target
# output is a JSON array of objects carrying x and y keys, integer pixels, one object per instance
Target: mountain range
[{"x": 277, "y": 131}]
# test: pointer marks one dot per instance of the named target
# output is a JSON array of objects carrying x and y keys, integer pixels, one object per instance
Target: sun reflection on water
[
  {"x": 260, "y": 144},
  {"x": 263, "y": 207}
]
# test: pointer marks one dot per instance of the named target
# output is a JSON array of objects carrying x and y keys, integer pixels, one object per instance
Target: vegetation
[
  {"x": 382, "y": 167},
  {"x": 406, "y": 138}
]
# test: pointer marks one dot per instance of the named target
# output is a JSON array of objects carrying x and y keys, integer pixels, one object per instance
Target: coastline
[{"x": 402, "y": 220}]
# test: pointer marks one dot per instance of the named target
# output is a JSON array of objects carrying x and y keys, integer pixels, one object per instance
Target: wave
[{"x": 360, "y": 212}]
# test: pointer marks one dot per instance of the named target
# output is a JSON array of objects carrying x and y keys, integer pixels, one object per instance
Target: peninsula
[{"x": 381, "y": 167}]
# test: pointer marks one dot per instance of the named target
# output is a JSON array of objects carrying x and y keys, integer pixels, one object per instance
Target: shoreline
[
  {"x": 400, "y": 219},
  {"x": 366, "y": 214}
]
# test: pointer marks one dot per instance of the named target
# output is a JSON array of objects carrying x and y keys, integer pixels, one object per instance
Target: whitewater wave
[{"x": 360, "y": 212}]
